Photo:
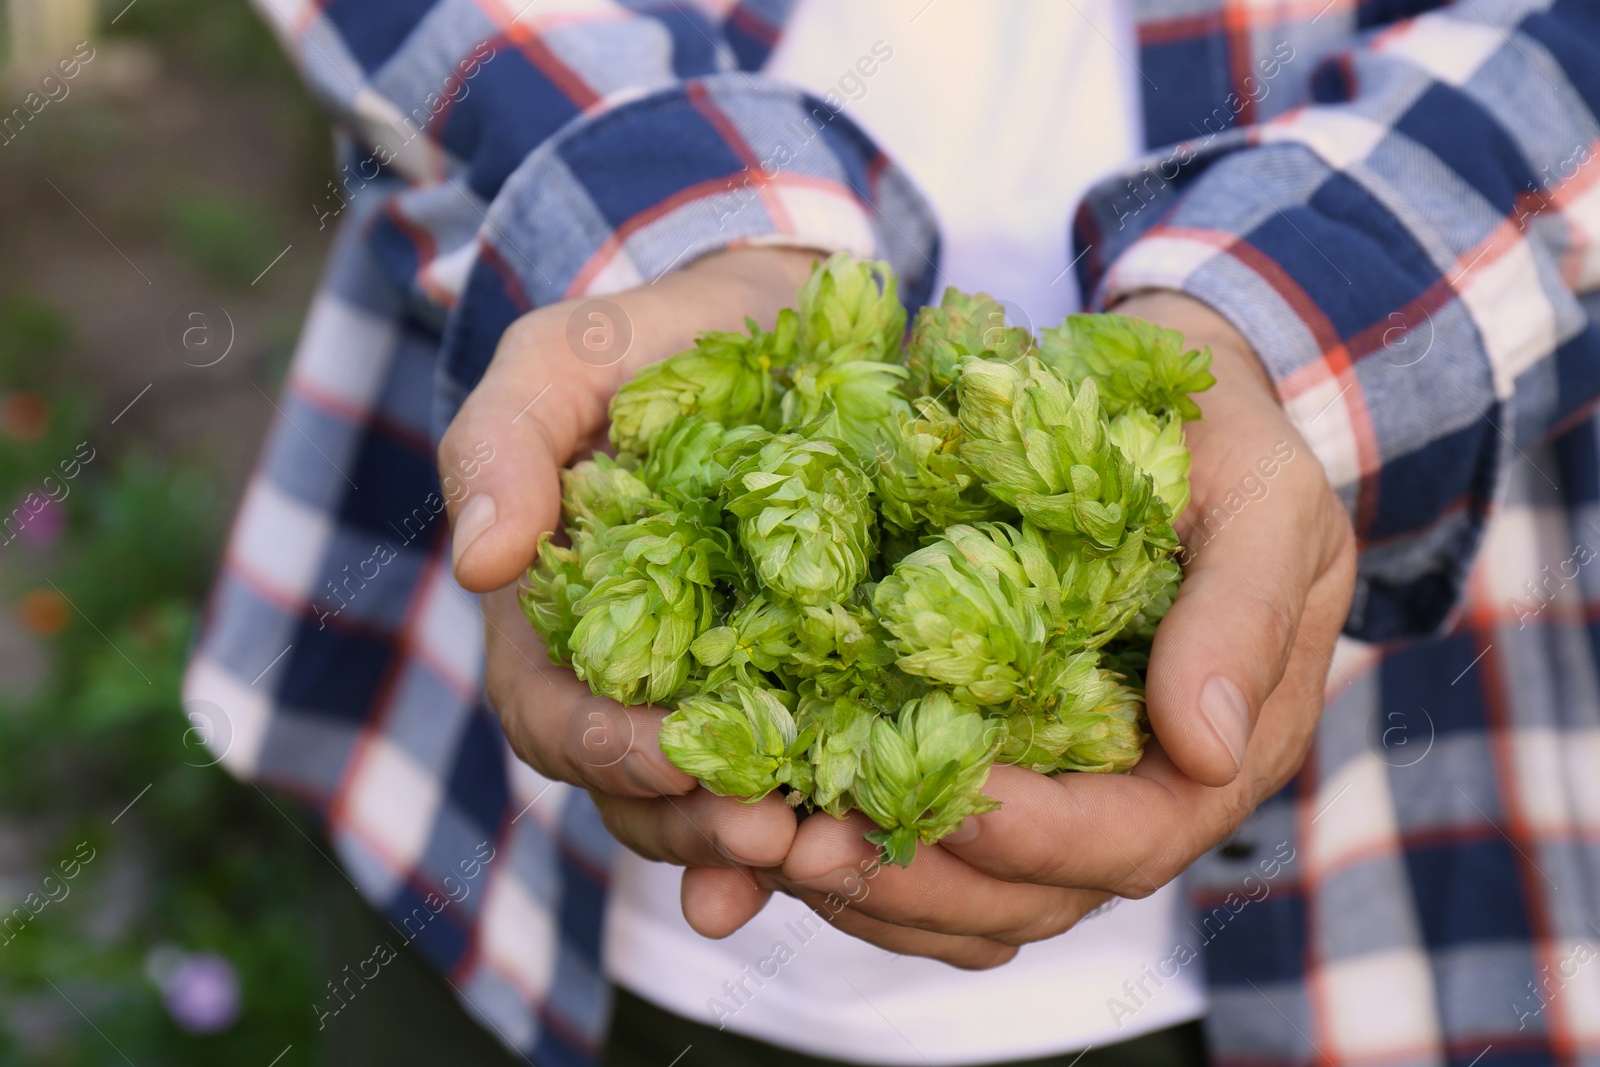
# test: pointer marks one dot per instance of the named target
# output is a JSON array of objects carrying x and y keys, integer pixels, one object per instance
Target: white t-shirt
[{"x": 1003, "y": 113}]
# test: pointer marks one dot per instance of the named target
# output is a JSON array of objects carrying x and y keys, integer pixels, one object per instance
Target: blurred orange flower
[
  {"x": 43, "y": 612},
  {"x": 24, "y": 416}
]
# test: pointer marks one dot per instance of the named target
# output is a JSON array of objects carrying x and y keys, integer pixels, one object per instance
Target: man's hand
[
  {"x": 1235, "y": 688},
  {"x": 541, "y": 404}
]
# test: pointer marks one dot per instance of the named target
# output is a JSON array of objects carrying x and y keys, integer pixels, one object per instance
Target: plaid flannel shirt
[{"x": 1396, "y": 201}]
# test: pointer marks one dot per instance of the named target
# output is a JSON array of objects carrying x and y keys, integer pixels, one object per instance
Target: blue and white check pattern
[{"x": 1397, "y": 202}]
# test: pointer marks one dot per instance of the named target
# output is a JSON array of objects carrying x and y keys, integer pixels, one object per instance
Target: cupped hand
[
  {"x": 1234, "y": 691},
  {"x": 541, "y": 404}
]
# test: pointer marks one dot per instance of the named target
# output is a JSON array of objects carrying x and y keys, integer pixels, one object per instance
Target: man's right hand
[{"x": 541, "y": 404}]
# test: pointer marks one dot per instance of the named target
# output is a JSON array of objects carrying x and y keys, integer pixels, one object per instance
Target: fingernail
[
  {"x": 963, "y": 833},
  {"x": 470, "y": 525},
  {"x": 1223, "y": 705}
]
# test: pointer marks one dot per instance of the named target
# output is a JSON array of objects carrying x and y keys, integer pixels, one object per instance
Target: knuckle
[
  {"x": 1152, "y": 873},
  {"x": 598, "y": 734},
  {"x": 515, "y": 716},
  {"x": 1059, "y": 916},
  {"x": 453, "y": 445},
  {"x": 521, "y": 337},
  {"x": 686, "y": 840},
  {"x": 1136, "y": 886},
  {"x": 616, "y": 816}
]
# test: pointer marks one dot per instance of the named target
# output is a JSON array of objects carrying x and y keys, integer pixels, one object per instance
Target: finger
[
  {"x": 1129, "y": 834},
  {"x": 967, "y": 953},
  {"x": 499, "y": 459},
  {"x": 938, "y": 892},
  {"x": 1285, "y": 729},
  {"x": 719, "y": 900},
  {"x": 701, "y": 829},
  {"x": 1222, "y": 648},
  {"x": 556, "y": 725},
  {"x": 546, "y": 391}
]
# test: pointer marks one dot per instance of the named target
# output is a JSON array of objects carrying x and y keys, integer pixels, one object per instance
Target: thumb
[
  {"x": 500, "y": 459},
  {"x": 1223, "y": 647},
  {"x": 545, "y": 393}
]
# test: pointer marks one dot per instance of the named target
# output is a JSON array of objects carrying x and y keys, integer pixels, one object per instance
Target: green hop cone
[
  {"x": 923, "y": 772},
  {"x": 961, "y": 326},
  {"x": 923, "y": 482},
  {"x": 1156, "y": 447},
  {"x": 1136, "y": 364},
  {"x": 1007, "y": 414},
  {"x": 843, "y": 648},
  {"x": 1102, "y": 593},
  {"x": 971, "y": 611},
  {"x": 1041, "y": 445},
  {"x": 759, "y": 636},
  {"x": 1160, "y": 590},
  {"x": 689, "y": 462},
  {"x": 549, "y": 594},
  {"x": 1096, "y": 724},
  {"x": 739, "y": 741},
  {"x": 651, "y": 593},
  {"x": 725, "y": 377},
  {"x": 858, "y": 402},
  {"x": 602, "y": 492},
  {"x": 843, "y": 727},
  {"x": 850, "y": 310},
  {"x": 805, "y": 520}
]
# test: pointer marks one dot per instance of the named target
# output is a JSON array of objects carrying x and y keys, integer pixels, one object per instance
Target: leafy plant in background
[
  {"x": 200, "y": 871},
  {"x": 221, "y": 236}
]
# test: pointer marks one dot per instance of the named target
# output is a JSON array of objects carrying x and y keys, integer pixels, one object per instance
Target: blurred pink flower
[
  {"x": 201, "y": 993},
  {"x": 44, "y": 528}
]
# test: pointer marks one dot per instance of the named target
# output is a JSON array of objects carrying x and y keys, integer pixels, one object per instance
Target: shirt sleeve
[
  {"x": 568, "y": 148},
  {"x": 1410, "y": 254}
]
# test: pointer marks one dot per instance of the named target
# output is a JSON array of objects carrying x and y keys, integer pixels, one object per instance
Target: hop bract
[
  {"x": 599, "y": 493},
  {"x": 859, "y": 572},
  {"x": 843, "y": 727},
  {"x": 858, "y": 402}
]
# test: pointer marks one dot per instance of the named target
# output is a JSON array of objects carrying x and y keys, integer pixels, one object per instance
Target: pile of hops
[{"x": 862, "y": 571}]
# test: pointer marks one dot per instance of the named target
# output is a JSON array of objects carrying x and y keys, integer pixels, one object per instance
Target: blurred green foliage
[
  {"x": 200, "y": 861},
  {"x": 222, "y": 237},
  {"x": 222, "y": 38}
]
